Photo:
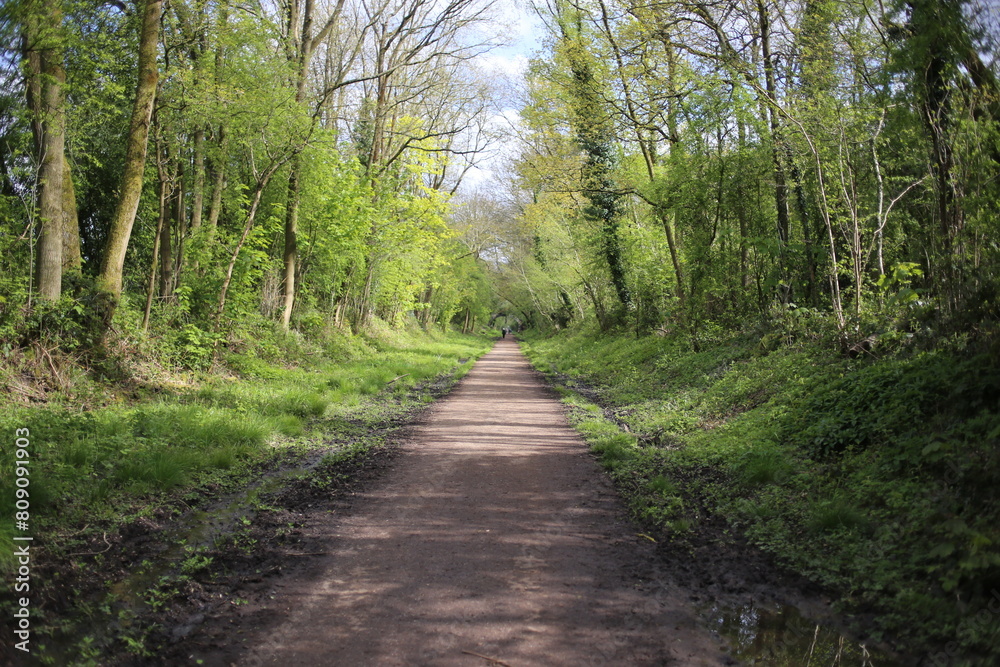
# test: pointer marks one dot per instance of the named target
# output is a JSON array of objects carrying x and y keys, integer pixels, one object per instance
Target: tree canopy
[{"x": 681, "y": 164}]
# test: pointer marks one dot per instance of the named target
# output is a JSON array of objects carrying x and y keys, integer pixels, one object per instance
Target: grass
[
  {"x": 104, "y": 466},
  {"x": 876, "y": 478}
]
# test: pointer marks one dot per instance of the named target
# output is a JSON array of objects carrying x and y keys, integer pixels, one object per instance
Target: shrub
[{"x": 763, "y": 465}]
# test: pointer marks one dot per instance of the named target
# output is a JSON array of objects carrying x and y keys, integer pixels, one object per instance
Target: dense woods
[
  {"x": 692, "y": 164},
  {"x": 204, "y": 162},
  {"x": 767, "y": 232},
  {"x": 679, "y": 164},
  {"x": 770, "y": 222}
]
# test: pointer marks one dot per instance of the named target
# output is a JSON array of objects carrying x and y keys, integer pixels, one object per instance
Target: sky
[{"x": 510, "y": 61}]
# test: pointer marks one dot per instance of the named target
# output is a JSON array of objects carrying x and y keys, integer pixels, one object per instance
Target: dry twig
[
  {"x": 492, "y": 661},
  {"x": 104, "y": 536}
]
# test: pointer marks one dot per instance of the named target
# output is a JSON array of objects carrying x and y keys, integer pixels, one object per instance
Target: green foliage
[
  {"x": 764, "y": 465},
  {"x": 875, "y": 478},
  {"x": 103, "y": 465},
  {"x": 76, "y": 323},
  {"x": 835, "y": 514},
  {"x": 897, "y": 401},
  {"x": 194, "y": 347}
]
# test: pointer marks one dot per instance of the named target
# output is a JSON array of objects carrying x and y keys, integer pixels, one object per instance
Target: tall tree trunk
[
  {"x": 741, "y": 211},
  {"x": 197, "y": 188},
  {"x": 935, "y": 26},
  {"x": 675, "y": 259},
  {"x": 218, "y": 169},
  {"x": 291, "y": 253},
  {"x": 777, "y": 141},
  {"x": 198, "y": 184},
  {"x": 110, "y": 277},
  {"x": 160, "y": 223},
  {"x": 592, "y": 135},
  {"x": 300, "y": 51},
  {"x": 72, "y": 258},
  {"x": 46, "y": 97},
  {"x": 216, "y": 162},
  {"x": 180, "y": 229},
  {"x": 166, "y": 256},
  {"x": 364, "y": 305}
]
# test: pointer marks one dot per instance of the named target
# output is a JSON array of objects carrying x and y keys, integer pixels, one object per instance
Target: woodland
[{"x": 752, "y": 242}]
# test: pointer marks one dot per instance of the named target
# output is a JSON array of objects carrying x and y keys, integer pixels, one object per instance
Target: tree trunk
[
  {"x": 198, "y": 183},
  {"x": 180, "y": 229},
  {"x": 300, "y": 50},
  {"x": 741, "y": 211},
  {"x": 72, "y": 258},
  {"x": 218, "y": 167},
  {"x": 777, "y": 141},
  {"x": 364, "y": 307},
  {"x": 197, "y": 192},
  {"x": 110, "y": 278},
  {"x": 166, "y": 253},
  {"x": 160, "y": 223},
  {"x": 668, "y": 231},
  {"x": 46, "y": 83},
  {"x": 291, "y": 242}
]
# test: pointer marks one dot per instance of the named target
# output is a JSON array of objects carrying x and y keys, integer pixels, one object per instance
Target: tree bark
[
  {"x": 161, "y": 221},
  {"x": 166, "y": 254},
  {"x": 72, "y": 257},
  {"x": 198, "y": 186},
  {"x": 46, "y": 83},
  {"x": 291, "y": 254},
  {"x": 777, "y": 140},
  {"x": 110, "y": 277},
  {"x": 218, "y": 168}
]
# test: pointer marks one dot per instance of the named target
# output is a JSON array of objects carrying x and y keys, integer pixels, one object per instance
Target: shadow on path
[{"x": 495, "y": 539}]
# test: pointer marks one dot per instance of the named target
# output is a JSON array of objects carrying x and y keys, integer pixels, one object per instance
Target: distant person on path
[{"x": 503, "y": 332}]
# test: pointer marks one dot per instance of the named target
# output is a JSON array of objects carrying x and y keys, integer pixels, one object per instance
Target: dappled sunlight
[{"x": 493, "y": 537}]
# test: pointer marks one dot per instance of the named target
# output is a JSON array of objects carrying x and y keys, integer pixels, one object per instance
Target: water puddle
[{"x": 782, "y": 637}]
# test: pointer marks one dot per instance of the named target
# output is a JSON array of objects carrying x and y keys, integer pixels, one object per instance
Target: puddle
[{"x": 782, "y": 637}]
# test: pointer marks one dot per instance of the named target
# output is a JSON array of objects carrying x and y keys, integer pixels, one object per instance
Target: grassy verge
[
  {"x": 876, "y": 478},
  {"x": 96, "y": 474}
]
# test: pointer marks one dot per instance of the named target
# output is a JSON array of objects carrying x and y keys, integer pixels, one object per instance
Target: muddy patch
[{"x": 232, "y": 600}]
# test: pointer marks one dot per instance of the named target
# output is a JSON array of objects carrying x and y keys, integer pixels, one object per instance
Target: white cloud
[{"x": 512, "y": 66}]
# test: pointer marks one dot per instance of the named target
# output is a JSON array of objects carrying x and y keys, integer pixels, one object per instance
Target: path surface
[{"x": 494, "y": 540}]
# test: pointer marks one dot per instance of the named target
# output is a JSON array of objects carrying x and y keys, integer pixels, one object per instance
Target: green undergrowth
[
  {"x": 878, "y": 478},
  {"x": 186, "y": 442}
]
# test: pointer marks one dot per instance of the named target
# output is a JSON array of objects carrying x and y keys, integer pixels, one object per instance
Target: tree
[
  {"x": 110, "y": 277},
  {"x": 46, "y": 80},
  {"x": 595, "y": 138}
]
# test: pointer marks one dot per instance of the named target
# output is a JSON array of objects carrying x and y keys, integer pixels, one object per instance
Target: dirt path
[{"x": 494, "y": 539}]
